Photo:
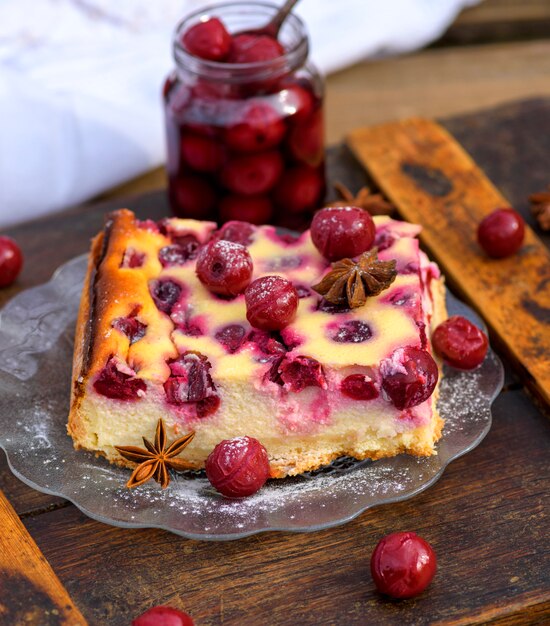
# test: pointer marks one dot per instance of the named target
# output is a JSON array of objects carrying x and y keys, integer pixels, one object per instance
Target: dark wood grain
[
  {"x": 433, "y": 181},
  {"x": 30, "y": 592},
  {"x": 485, "y": 518},
  {"x": 511, "y": 145}
]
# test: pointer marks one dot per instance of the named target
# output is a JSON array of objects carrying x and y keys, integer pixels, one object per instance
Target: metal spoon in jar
[{"x": 272, "y": 28}]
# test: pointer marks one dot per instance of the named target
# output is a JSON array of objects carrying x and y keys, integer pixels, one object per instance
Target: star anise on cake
[
  {"x": 155, "y": 459},
  {"x": 540, "y": 207},
  {"x": 374, "y": 203},
  {"x": 351, "y": 282}
]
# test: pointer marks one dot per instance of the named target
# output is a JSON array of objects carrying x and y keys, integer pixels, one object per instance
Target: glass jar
[{"x": 245, "y": 140}]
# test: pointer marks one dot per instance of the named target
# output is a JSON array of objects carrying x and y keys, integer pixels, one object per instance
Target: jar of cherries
[{"x": 244, "y": 119}]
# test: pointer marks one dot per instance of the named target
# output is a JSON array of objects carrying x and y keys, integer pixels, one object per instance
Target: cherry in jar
[{"x": 244, "y": 120}]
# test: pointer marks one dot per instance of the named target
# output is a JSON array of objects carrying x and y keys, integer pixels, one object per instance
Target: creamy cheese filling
[{"x": 318, "y": 421}]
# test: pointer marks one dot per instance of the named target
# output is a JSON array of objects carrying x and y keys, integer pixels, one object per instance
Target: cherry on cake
[{"x": 249, "y": 331}]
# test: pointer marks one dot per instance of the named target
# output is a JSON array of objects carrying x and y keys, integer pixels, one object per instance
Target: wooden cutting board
[
  {"x": 433, "y": 181},
  {"x": 30, "y": 592}
]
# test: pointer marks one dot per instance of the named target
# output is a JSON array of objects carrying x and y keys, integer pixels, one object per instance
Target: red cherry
[
  {"x": 11, "y": 261},
  {"x": 409, "y": 376},
  {"x": 238, "y": 467},
  {"x": 352, "y": 331},
  {"x": 224, "y": 267},
  {"x": 117, "y": 384},
  {"x": 186, "y": 240},
  {"x": 131, "y": 327},
  {"x": 207, "y": 97},
  {"x": 333, "y": 309},
  {"x": 299, "y": 189},
  {"x": 359, "y": 387},
  {"x": 178, "y": 254},
  {"x": 403, "y": 565},
  {"x": 267, "y": 344},
  {"x": 306, "y": 140},
  {"x": 301, "y": 372},
  {"x": 208, "y": 40},
  {"x": 165, "y": 293},
  {"x": 196, "y": 128},
  {"x": 237, "y": 232},
  {"x": 247, "y": 48},
  {"x": 231, "y": 337},
  {"x": 260, "y": 128},
  {"x": 185, "y": 319},
  {"x": 189, "y": 380},
  {"x": 501, "y": 233},
  {"x": 208, "y": 406},
  {"x": 201, "y": 153},
  {"x": 132, "y": 258},
  {"x": 188, "y": 244},
  {"x": 342, "y": 232},
  {"x": 271, "y": 303},
  {"x": 252, "y": 174},
  {"x": 384, "y": 240},
  {"x": 253, "y": 209},
  {"x": 192, "y": 197},
  {"x": 460, "y": 343},
  {"x": 407, "y": 268},
  {"x": 402, "y": 296},
  {"x": 191, "y": 328},
  {"x": 298, "y": 101},
  {"x": 163, "y": 616}
]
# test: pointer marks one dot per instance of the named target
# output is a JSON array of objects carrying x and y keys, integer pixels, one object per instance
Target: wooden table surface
[{"x": 486, "y": 517}]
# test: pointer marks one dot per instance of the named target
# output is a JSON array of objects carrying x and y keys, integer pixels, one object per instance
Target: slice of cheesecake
[{"x": 152, "y": 342}]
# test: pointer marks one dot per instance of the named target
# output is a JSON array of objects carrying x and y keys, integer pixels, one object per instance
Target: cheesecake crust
[{"x": 97, "y": 423}]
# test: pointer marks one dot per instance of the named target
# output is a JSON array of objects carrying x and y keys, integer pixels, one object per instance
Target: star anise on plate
[
  {"x": 374, "y": 203},
  {"x": 540, "y": 206},
  {"x": 351, "y": 282},
  {"x": 155, "y": 459}
]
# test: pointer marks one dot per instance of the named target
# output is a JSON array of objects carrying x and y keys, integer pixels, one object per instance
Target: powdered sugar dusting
[
  {"x": 234, "y": 450},
  {"x": 192, "y": 507},
  {"x": 33, "y": 409},
  {"x": 233, "y": 254}
]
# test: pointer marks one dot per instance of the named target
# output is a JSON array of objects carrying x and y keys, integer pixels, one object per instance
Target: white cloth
[{"x": 80, "y": 80}]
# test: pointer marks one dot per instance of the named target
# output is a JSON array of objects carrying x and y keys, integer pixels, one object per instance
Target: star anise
[
  {"x": 155, "y": 459},
  {"x": 540, "y": 206},
  {"x": 374, "y": 203},
  {"x": 351, "y": 283}
]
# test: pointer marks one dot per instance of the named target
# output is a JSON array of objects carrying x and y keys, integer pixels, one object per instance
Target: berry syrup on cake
[{"x": 225, "y": 332}]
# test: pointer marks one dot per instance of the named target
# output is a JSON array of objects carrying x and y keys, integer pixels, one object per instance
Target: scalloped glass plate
[{"x": 36, "y": 345}]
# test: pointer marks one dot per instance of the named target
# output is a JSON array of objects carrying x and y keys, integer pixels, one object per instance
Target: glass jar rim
[{"x": 238, "y": 73}]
